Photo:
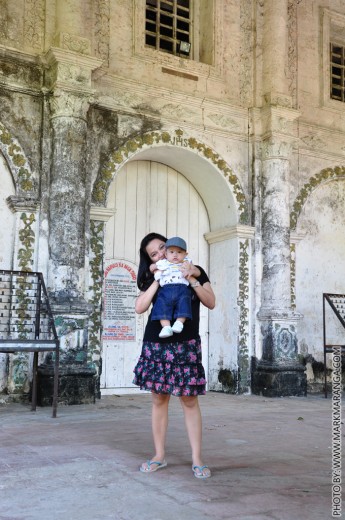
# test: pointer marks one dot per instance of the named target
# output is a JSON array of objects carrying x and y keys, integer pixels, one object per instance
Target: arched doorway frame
[
  {"x": 315, "y": 181},
  {"x": 25, "y": 180},
  {"x": 228, "y": 210},
  {"x": 148, "y": 146},
  {"x": 325, "y": 175},
  {"x": 25, "y": 205},
  {"x": 312, "y": 344}
]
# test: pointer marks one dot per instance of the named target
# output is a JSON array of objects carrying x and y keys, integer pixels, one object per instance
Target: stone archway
[
  {"x": 24, "y": 203},
  {"x": 18, "y": 237},
  {"x": 319, "y": 223},
  {"x": 171, "y": 149},
  {"x": 325, "y": 175},
  {"x": 24, "y": 178},
  {"x": 229, "y": 244}
]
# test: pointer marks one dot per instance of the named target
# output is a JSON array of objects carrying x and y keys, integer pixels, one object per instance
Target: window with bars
[
  {"x": 168, "y": 26},
  {"x": 337, "y": 60}
]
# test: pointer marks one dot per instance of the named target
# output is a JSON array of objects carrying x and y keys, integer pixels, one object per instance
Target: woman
[{"x": 169, "y": 366}]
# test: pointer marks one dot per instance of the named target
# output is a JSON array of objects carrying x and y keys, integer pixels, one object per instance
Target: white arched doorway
[
  {"x": 228, "y": 242},
  {"x": 148, "y": 196},
  {"x": 320, "y": 265},
  {"x": 7, "y": 219}
]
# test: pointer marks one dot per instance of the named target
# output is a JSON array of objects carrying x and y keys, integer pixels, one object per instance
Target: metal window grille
[
  {"x": 337, "y": 59},
  {"x": 167, "y": 24}
]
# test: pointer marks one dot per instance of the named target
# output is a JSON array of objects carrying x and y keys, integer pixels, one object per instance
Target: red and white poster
[{"x": 120, "y": 291}]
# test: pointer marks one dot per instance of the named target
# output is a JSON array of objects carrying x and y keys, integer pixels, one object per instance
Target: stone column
[
  {"x": 278, "y": 372},
  {"x": 67, "y": 200},
  {"x": 68, "y": 88}
]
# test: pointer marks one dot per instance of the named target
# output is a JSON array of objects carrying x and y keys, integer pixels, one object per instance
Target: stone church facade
[{"x": 222, "y": 121}]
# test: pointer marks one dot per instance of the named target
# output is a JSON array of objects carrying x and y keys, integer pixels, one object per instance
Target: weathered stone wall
[{"x": 80, "y": 94}]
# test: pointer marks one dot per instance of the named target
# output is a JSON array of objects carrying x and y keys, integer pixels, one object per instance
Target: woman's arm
[
  {"x": 144, "y": 299},
  {"x": 188, "y": 270},
  {"x": 204, "y": 293}
]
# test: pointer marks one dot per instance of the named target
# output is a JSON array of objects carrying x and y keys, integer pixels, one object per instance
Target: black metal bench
[
  {"x": 337, "y": 304},
  {"x": 27, "y": 323}
]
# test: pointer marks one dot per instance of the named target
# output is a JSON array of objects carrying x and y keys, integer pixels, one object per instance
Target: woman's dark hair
[{"x": 145, "y": 277}]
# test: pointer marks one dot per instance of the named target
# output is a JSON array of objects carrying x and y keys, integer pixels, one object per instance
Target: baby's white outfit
[{"x": 170, "y": 273}]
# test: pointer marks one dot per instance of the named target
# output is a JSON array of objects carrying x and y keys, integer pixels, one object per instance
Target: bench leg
[
  {"x": 325, "y": 365},
  {"x": 56, "y": 382},
  {"x": 34, "y": 383}
]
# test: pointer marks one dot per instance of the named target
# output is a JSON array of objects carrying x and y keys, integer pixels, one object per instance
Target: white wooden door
[
  {"x": 7, "y": 220},
  {"x": 149, "y": 197}
]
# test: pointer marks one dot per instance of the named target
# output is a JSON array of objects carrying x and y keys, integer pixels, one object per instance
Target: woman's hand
[
  {"x": 189, "y": 270},
  {"x": 144, "y": 300}
]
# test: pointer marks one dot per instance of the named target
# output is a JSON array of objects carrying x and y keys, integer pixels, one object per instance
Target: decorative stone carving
[
  {"x": 26, "y": 242},
  {"x": 246, "y": 51},
  {"x": 69, "y": 105},
  {"x": 73, "y": 43},
  {"x": 69, "y": 70},
  {"x": 24, "y": 203},
  {"x": 243, "y": 330},
  {"x": 19, "y": 164},
  {"x": 278, "y": 99},
  {"x": 292, "y": 49},
  {"x": 128, "y": 125},
  {"x": 280, "y": 342},
  {"x": 118, "y": 157},
  {"x": 120, "y": 98},
  {"x": 314, "y": 142},
  {"x": 324, "y": 175},
  {"x": 96, "y": 272},
  {"x": 178, "y": 111},
  {"x": 34, "y": 20},
  {"x": 279, "y": 373},
  {"x": 102, "y": 30},
  {"x": 224, "y": 121},
  {"x": 275, "y": 148},
  {"x": 74, "y": 74}
]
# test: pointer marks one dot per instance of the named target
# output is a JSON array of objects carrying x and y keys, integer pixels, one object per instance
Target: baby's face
[{"x": 175, "y": 255}]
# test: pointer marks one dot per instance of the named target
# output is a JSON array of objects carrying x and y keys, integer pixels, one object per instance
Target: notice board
[{"x": 120, "y": 291}]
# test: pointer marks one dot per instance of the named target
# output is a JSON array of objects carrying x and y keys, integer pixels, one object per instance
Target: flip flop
[
  {"x": 150, "y": 466},
  {"x": 199, "y": 471}
]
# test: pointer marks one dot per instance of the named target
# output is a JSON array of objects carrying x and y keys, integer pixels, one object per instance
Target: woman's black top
[{"x": 191, "y": 327}]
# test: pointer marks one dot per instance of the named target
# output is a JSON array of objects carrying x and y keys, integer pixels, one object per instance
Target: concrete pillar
[
  {"x": 69, "y": 90},
  {"x": 278, "y": 372},
  {"x": 275, "y": 227},
  {"x": 67, "y": 202}
]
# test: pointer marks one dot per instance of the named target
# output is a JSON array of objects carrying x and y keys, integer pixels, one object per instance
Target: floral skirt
[{"x": 171, "y": 368}]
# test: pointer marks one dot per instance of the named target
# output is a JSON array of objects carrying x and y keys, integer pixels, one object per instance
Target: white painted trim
[
  {"x": 230, "y": 232},
  {"x": 100, "y": 213},
  {"x": 295, "y": 237}
]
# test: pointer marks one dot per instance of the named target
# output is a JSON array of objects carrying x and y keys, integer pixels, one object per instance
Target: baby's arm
[
  {"x": 153, "y": 268},
  {"x": 156, "y": 271}
]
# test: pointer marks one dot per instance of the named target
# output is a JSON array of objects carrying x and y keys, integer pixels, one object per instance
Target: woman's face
[{"x": 156, "y": 250}]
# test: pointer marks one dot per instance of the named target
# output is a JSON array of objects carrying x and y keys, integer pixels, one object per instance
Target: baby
[{"x": 174, "y": 298}]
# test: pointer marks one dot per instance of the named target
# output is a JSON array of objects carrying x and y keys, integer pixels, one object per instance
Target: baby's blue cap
[{"x": 177, "y": 242}]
